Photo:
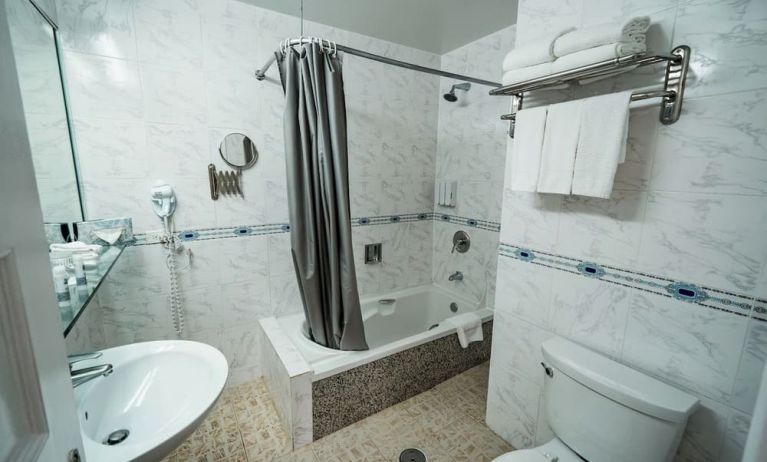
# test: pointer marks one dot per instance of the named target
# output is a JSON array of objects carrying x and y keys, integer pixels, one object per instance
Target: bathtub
[{"x": 394, "y": 322}]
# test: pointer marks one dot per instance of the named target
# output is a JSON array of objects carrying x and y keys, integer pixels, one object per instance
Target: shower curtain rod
[{"x": 261, "y": 73}]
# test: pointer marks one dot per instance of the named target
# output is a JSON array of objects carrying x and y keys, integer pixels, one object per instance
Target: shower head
[{"x": 450, "y": 96}]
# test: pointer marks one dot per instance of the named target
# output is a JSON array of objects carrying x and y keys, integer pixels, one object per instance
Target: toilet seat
[
  {"x": 523, "y": 455},
  {"x": 553, "y": 451}
]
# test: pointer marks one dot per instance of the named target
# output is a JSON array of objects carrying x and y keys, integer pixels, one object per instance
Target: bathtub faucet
[{"x": 457, "y": 276}]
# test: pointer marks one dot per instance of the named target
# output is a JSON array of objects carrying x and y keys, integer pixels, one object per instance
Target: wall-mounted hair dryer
[{"x": 164, "y": 203}]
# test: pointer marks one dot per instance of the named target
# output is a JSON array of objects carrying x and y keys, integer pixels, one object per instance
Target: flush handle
[{"x": 548, "y": 370}]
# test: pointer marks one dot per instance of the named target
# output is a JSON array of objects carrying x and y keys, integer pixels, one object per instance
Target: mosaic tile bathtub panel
[{"x": 350, "y": 396}]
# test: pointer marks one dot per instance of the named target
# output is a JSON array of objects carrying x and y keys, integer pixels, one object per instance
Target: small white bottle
[
  {"x": 74, "y": 298},
  {"x": 62, "y": 295},
  {"x": 82, "y": 283},
  {"x": 92, "y": 273}
]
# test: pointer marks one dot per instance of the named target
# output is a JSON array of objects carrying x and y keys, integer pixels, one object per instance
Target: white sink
[{"x": 159, "y": 391}]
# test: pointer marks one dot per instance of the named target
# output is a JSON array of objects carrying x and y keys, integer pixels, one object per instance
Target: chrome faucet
[
  {"x": 457, "y": 276},
  {"x": 81, "y": 376}
]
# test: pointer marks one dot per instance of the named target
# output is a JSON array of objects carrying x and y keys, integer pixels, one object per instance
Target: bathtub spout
[{"x": 457, "y": 276}]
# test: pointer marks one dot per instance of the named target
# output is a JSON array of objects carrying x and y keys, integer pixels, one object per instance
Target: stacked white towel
[
  {"x": 468, "y": 326},
  {"x": 538, "y": 51},
  {"x": 74, "y": 248},
  {"x": 630, "y": 36},
  {"x": 594, "y": 55},
  {"x": 526, "y": 73},
  {"x": 570, "y": 48}
]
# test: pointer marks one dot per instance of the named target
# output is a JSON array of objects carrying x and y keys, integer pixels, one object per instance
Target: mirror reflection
[{"x": 37, "y": 64}]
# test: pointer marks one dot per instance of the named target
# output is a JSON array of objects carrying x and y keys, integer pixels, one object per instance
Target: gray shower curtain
[{"x": 318, "y": 196}]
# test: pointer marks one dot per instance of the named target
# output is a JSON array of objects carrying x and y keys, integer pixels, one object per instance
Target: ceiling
[{"x": 437, "y": 26}]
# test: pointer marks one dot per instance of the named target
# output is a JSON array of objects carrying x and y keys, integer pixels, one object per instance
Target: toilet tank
[{"x": 608, "y": 412}]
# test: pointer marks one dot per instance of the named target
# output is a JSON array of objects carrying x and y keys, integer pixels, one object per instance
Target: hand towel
[
  {"x": 468, "y": 326},
  {"x": 632, "y": 30},
  {"x": 601, "y": 143},
  {"x": 538, "y": 51},
  {"x": 525, "y": 151},
  {"x": 595, "y": 55},
  {"x": 560, "y": 141}
]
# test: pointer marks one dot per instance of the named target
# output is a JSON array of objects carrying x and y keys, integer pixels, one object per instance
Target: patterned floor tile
[
  {"x": 304, "y": 454},
  {"x": 350, "y": 444},
  {"x": 447, "y": 423},
  {"x": 466, "y": 439}
]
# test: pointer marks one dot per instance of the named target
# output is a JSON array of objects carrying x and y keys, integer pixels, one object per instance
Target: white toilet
[{"x": 602, "y": 411}]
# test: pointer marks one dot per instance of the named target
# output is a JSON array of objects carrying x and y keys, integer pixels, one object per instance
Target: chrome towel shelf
[{"x": 671, "y": 96}]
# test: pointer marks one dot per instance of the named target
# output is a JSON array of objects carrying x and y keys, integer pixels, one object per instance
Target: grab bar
[{"x": 387, "y": 301}]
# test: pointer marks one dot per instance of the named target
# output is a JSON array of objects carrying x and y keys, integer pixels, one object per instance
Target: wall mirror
[
  {"x": 238, "y": 151},
  {"x": 34, "y": 41},
  {"x": 78, "y": 273}
]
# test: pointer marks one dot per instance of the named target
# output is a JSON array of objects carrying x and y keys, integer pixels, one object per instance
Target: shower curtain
[{"x": 318, "y": 196}]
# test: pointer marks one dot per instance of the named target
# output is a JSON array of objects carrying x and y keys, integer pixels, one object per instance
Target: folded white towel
[
  {"x": 525, "y": 73},
  {"x": 560, "y": 141},
  {"x": 75, "y": 247},
  {"x": 630, "y": 31},
  {"x": 595, "y": 55},
  {"x": 601, "y": 143},
  {"x": 65, "y": 250},
  {"x": 525, "y": 155},
  {"x": 468, "y": 326},
  {"x": 538, "y": 51}
]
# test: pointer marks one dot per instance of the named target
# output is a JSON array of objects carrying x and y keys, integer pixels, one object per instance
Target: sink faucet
[
  {"x": 457, "y": 276},
  {"x": 81, "y": 376}
]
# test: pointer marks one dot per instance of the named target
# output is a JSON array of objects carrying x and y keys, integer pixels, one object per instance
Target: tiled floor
[{"x": 447, "y": 422}]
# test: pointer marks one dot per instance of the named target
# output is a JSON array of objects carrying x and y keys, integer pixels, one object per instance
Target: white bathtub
[{"x": 414, "y": 318}]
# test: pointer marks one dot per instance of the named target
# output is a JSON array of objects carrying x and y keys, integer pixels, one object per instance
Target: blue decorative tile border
[
  {"x": 741, "y": 305},
  {"x": 473, "y": 222},
  {"x": 203, "y": 234},
  {"x": 389, "y": 219}
]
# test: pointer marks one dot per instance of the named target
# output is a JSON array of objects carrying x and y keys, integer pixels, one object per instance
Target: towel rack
[{"x": 671, "y": 96}]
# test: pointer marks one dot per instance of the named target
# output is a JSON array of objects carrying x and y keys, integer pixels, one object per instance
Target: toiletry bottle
[
  {"x": 92, "y": 274},
  {"x": 74, "y": 298},
  {"x": 62, "y": 295},
  {"x": 82, "y": 283}
]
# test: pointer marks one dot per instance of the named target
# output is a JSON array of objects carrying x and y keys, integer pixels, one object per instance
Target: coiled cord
[{"x": 170, "y": 244}]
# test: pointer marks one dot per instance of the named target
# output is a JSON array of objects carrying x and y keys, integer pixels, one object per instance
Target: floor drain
[
  {"x": 412, "y": 455},
  {"x": 116, "y": 437}
]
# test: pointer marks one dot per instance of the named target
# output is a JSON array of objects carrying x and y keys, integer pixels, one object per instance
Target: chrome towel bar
[{"x": 671, "y": 95}]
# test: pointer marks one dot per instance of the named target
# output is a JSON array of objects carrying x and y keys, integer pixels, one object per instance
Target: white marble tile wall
[
  {"x": 154, "y": 87},
  {"x": 471, "y": 151},
  {"x": 689, "y": 205}
]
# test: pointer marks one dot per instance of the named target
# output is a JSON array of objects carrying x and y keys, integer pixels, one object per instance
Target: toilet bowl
[{"x": 601, "y": 410}]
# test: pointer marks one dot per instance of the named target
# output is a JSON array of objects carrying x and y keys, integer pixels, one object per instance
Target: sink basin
[{"x": 159, "y": 392}]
